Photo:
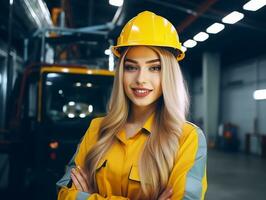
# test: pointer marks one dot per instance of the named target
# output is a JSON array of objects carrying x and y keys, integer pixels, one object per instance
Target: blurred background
[{"x": 56, "y": 73}]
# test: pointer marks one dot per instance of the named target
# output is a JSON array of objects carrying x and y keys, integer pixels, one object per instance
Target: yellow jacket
[{"x": 118, "y": 178}]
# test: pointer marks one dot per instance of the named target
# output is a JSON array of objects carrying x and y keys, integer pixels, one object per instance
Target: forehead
[{"x": 141, "y": 53}]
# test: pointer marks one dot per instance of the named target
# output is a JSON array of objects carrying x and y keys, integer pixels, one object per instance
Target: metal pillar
[
  {"x": 211, "y": 94},
  {"x": 9, "y": 68}
]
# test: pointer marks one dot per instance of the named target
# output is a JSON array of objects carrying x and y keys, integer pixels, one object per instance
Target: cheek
[{"x": 128, "y": 78}]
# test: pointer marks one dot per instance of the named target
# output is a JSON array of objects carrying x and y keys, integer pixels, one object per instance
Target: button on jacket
[{"x": 117, "y": 173}]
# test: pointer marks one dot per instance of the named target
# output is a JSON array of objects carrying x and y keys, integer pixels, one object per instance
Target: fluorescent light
[
  {"x": 201, "y": 36},
  {"x": 215, "y": 28},
  {"x": 184, "y": 49},
  {"x": 117, "y": 3},
  {"x": 107, "y": 52},
  {"x": 60, "y": 91},
  {"x": 259, "y": 94},
  {"x": 254, "y": 5},
  {"x": 233, "y": 17},
  {"x": 190, "y": 43}
]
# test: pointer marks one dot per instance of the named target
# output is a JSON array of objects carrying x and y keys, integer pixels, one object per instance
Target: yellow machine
[{"x": 54, "y": 108}]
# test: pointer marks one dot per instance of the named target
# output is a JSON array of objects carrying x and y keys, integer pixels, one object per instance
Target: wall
[{"x": 238, "y": 82}]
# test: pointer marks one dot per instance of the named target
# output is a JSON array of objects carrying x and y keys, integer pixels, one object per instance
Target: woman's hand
[
  {"x": 80, "y": 179},
  {"x": 166, "y": 195}
]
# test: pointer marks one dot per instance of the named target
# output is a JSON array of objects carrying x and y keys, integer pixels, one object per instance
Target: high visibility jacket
[{"x": 117, "y": 173}]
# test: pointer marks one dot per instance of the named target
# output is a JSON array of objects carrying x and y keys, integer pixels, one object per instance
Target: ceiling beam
[{"x": 201, "y": 9}]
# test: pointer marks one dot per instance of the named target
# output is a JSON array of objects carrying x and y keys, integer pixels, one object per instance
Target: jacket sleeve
[
  {"x": 65, "y": 188},
  {"x": 188, "y": 177}
]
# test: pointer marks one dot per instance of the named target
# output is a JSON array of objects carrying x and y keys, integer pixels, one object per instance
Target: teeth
[{"x": 141, "y": 91}]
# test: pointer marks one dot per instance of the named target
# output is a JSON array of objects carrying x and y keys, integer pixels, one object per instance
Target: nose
[{"x": 141, "y": 76}]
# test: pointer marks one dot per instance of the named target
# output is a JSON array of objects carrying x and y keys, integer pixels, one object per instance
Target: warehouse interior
[{"x": 224, "y": 67}]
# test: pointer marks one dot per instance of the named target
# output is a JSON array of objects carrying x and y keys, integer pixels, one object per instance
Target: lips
[{"x": 141, "y": 92}]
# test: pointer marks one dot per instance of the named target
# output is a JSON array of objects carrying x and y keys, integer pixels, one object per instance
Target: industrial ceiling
[{"x": 237, "y": 42}]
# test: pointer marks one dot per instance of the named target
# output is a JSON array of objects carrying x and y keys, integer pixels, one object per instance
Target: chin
[{"x": 142, "y": 104}]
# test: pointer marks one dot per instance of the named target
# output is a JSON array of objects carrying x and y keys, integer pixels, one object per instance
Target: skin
[{"x": 141, "y": 70}]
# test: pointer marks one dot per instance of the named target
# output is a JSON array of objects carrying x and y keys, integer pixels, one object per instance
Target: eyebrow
[{"x": 136, "y": 62}]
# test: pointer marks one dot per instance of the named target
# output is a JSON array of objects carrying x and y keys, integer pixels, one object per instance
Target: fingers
[
  {"x": 166, "y": 195},
  {"x": 79, "y": 181},
  {"x": 83, "y": 174},
  {"x": 75, "y": 180}
]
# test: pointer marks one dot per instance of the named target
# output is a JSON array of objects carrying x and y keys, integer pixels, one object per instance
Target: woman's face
[{"x": 142, "y": 76}]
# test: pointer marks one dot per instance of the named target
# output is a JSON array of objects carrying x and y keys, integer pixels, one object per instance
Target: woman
[{"x": 143, "y": 148}]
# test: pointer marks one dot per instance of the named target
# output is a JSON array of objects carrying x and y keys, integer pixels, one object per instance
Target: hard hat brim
[{"x": 180, "y": 55}]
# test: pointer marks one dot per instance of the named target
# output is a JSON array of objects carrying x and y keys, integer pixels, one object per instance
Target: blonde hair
[{"x": 158, "y": 156}]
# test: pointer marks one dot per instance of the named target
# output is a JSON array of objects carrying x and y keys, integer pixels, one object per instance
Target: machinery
[{"x": 52, "y": 112}]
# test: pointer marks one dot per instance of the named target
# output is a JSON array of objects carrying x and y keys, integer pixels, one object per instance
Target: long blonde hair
[{"x": 158, "y": 156}]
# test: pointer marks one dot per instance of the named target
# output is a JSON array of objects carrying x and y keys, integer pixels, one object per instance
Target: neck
[{"x": 139, "y": 114}]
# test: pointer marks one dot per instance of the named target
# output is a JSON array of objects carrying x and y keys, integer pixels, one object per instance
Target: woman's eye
[
  {"x": 155, "y": 68},
  {"x": 130, "y": 68}
]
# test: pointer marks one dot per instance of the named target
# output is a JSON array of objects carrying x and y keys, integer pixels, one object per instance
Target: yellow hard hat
[{"x": 149, "y": 29}]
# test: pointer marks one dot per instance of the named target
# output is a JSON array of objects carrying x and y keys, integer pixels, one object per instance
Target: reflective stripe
[
  {"x": 83, "y": 196},
  {"x": 193, "y": 189},
  {"x": 65, "y": 180}
]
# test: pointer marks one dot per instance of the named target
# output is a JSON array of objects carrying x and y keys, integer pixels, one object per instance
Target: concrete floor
[
  {"x": 234, "y": 176},
  {"x": 231, "y": 176}
]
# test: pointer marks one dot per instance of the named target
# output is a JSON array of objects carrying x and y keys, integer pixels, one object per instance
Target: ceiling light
[
  {"x": 259, "y": 94},
  {"x": 215, "y": 28},
  {"x": 117, "y": 3},
  {"x": 184, "y": 49},
  {"x": 254, "y": 5},
  {"x": 190, "y": 43},
  {"x": 201, "y": 36},
  {"x": 233, "y": 17}
]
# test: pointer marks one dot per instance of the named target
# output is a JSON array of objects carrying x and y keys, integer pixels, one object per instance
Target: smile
[{"x": 141, "y": 92}]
